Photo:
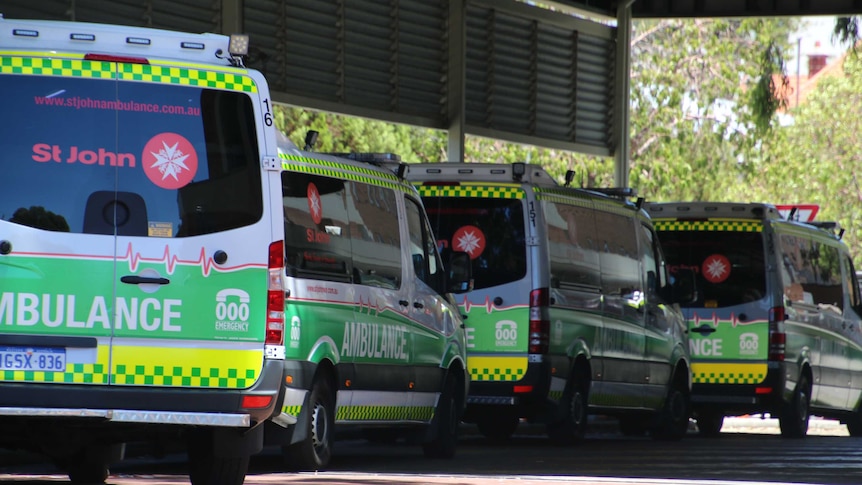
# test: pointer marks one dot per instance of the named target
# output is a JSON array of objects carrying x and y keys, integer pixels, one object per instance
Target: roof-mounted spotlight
[
  {"x": 310, "y": 140},
  {"x": 570, "y": 175},
  {"x": 238, "y": 45},
  {"x": 518, "y": 170}
]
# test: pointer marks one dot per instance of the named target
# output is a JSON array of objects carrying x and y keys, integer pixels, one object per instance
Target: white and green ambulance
[
  {"x": 375, "y": 344},
  {"x": 141, "y": 247},
  {"x": 776, "y": 325},
  {"x": 572, "y": 311}
]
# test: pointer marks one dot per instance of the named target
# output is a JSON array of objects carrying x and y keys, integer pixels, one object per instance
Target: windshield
[
  {"x": 95, "y": 156},
  {"x": 729, "y": 265},
  {"x": 491, "y": 231}
]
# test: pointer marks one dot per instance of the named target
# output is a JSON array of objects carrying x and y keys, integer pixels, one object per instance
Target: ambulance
[
  {"x": 776, "y": 326},
  {"x": 375, "y": 344},
  {"x": 141, "y": 248},
  {"x": 572, "y": 312}
]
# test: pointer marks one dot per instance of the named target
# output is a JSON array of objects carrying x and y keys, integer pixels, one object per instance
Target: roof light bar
[
  {"x": 138, "y": 40},
  {"x": 88, "y": 37},
  {"x": 193, "y": 45},
  {"x": 25, "y": 33}
]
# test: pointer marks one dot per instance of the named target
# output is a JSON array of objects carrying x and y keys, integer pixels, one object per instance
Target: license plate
[{"x": 33, "y": 358}]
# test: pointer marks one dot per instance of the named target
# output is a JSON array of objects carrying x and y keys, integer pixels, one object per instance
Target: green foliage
[{"x": 703, "y": 124}]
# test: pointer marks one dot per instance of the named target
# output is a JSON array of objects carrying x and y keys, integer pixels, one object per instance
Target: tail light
[
  {"x": 275, "y": 295},
  {"x": 540, "y": 324},
  {"x": 777, "y": 337}
]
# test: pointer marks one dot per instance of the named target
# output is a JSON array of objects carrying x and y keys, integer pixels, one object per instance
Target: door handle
[
  {"x": 418, "y": 305},
  {"x": 141, "y": 280},
  {"x": 704, "y": 329}
]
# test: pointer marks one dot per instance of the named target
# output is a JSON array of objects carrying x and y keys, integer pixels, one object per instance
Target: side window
[
  {"x": 621, "y": 274},
  {"x": 572, "y": 246},
  {"x": 851, "y": 283},
  {"x": 374, "y": 235},
  {"x": 316, "y": 227},
  {"x": 423, "y": 252},
  {"x": 653, "y": 276},
  {"x": 828, "y": 291}
]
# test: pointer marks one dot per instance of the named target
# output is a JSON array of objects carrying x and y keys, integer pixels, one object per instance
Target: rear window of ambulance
[
  {"x": 142, "y": 159},
  {"x": 490, "y": 230},
  {"x": 729, "y": 266}
]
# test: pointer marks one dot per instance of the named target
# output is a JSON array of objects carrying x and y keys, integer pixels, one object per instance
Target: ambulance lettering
[
  {"x": 232, "y": 310},
  {"x": 43, "y": 152},
  {"x": 53, "y": 311},
  {"x": 374, "y": 341},
  {"x": 706, "y": 347},
  {"x": 506, "y": 333}
]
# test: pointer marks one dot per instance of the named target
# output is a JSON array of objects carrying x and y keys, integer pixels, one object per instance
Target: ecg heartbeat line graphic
[{"x": 488, "y": 305}]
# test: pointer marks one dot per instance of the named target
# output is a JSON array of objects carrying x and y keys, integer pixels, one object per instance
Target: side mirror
[
  {"x": 459, "y": 272},
  {"x": 683, "y": 287}
]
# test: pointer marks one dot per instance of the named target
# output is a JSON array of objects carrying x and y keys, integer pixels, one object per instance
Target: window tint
[
  {"x": 729, "y": 266},
  {"x": 86, "y": 155},
  {"x": 423, "y": 251},
  {"x": 811, "y": 272},
  {"x": 340, "y": 230},
  {"x": 572, "y": 246},
  {"x": 621, "y": 275},
  {"x": 491, "y": 231}
]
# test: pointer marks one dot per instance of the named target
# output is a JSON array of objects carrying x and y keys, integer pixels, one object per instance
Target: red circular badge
[
  {"x": 314, "y": 206},
  {"x": 716, "y": 268},
  {"x": 170, "y": 160},
  {"x": 469, "y": 239}
]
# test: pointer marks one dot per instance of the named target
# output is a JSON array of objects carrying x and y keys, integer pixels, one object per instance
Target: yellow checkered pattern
[
  {"x": 722, "y": 373},
  {"x": 56, "y": 67},
  {"x": 190, "y": 367},
  {"x": 75, "y": 374},
  {"x": 187, "y": 77},
  {"x": 384, "y": 413},
  {"x": 497, "y": 368},
  {"x": 508, "y": 191},
  {"x": 344, "y": 171},
  {"x": 166, "y": 74},
  {"x": 727, "y": 225}
]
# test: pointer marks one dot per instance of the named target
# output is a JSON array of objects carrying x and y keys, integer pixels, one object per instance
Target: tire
[
  {"x": 674, "y": 416},
  {"x": 854, "y": 424},
  {"x": 315, "y": 451},
  {"x": 207, "y": 468},
  {"x": 570, "y": 424},
  {"x": 88, "y": 465},
  {"x": 709, "y": 424},
  {"x": 793, "y": 419},
  {"x": 446, "y": 422},
  {"x": 497, "y": 425}
]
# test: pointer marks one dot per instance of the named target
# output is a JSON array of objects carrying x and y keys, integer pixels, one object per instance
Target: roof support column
[
  {"x": 622, "y": 87},
  {"x": 231, "y": 17},
  {"x": 456, "y": 82}
]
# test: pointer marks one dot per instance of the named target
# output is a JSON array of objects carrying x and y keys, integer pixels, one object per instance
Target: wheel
[
  {"x": 315, "y": 451},
  {"x": 497, "y": 425},
  {"x": 84, "y": 469},
  {"x": 447, "y": 419},
  {"x": 673, "y": 418},
  {"x": 208, "y": 468},
  {"x": 854, "y": 424},
  {"x": 634, "y": 425},
  {"x": 89, "y": 465},
  {"x": 570, "y": 423},
  {"x": 709, "y": 424},
  {"x": 793, "y": 419}
]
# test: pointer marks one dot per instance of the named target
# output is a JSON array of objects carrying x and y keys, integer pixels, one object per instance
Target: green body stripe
[
  {"x": 175, "y": 74},
  {"x": 469, "y": 190},
  {"x": 345, "y": 172},
  {"x": 728, "y": 225}
]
